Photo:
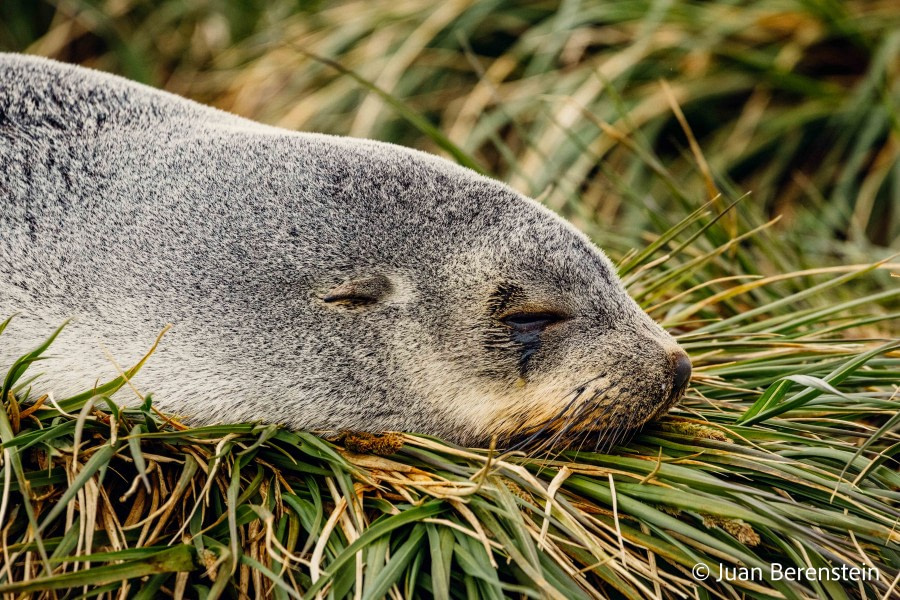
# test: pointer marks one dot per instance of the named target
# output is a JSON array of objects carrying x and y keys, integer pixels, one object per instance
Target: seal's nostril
[{"x": 682, "y": 369}]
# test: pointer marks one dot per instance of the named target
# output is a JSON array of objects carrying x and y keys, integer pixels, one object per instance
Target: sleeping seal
[{"x": 319, "y": 282}]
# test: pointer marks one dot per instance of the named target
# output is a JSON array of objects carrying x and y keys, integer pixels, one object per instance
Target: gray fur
[{"x": 127, "y": 208}]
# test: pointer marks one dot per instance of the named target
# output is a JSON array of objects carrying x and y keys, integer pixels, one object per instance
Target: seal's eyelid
[
  {"x": 365, "y": 290},
  {"x": 532, "y": 321}
]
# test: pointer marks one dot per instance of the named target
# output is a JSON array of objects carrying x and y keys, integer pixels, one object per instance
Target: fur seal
[{"x": 320, "y": 282}]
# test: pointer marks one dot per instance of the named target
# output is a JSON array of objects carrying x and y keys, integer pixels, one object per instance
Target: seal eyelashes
[
  {"x": 403, "y": 292},
  {"x": 511, "y": 307},
  {"x": 532, "y": 321}
]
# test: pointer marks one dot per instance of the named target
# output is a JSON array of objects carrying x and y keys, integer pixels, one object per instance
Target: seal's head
[
  {"x": 498, "y": 317},
  {"x": 320, "y": 282}
]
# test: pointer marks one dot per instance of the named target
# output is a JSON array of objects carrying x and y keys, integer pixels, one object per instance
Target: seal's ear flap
[{"x": 360, "y": 292}]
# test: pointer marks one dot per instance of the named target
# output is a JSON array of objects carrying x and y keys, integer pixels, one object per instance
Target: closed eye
[{"x": 527, "y": 322}]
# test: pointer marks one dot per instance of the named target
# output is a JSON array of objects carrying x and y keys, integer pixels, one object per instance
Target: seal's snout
[{"x": 681, "y": 369}]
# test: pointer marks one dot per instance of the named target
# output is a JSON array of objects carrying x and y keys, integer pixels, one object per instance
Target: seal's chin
[{"x": 590, "y": 426}]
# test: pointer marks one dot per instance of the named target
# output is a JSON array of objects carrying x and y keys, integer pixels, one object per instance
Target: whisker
[
  {"x": 604, "y": 441},
  {"x": 566, "y": 429},
  {"x": 549, "y": 422},
  {"x": 582, "y": 437},
  {"x": 578, "y": 417},
  {"x": 558, "y": 440}
]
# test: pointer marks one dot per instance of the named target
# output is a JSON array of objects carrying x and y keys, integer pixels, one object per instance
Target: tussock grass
[{"x": 784, "y": 450}]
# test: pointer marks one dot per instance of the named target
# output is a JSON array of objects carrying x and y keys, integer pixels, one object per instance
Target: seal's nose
[{"x": 681, "y": 366}]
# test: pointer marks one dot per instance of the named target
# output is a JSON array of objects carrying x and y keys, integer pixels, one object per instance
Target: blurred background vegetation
[{"x": 794, "y": 101}]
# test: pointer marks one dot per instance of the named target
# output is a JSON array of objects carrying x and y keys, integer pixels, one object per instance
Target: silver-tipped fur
[{"x": 321, "y": 282}]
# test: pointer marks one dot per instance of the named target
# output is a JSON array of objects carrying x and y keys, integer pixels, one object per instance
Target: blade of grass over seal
[
  {"x": 18, "y": 368},
  {"x": 109, "y": 388},
  {"x": 5, "y": 323}
]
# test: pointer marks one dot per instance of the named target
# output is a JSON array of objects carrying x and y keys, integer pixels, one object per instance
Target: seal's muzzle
[{"x": 681, "y": 367}]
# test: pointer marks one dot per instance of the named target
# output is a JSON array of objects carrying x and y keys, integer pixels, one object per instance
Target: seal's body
[{"x": 315, "y": 281}]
